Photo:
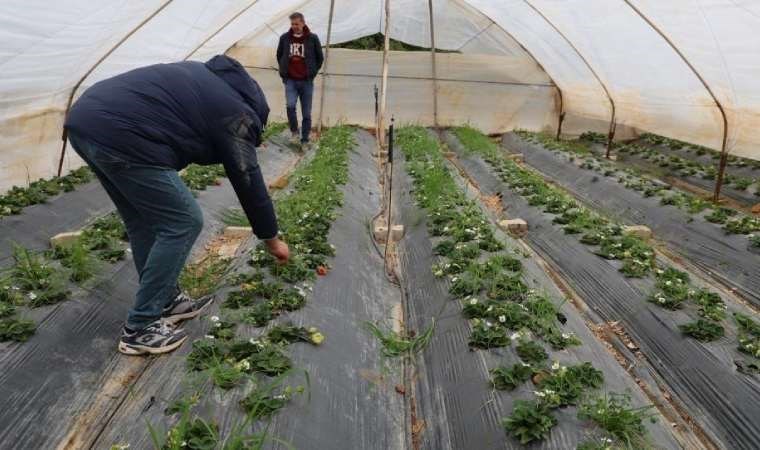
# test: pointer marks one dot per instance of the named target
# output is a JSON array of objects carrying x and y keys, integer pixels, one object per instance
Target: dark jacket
[
  {"x": 312, "y": 54},
  {"x": 171, "y": 115}
]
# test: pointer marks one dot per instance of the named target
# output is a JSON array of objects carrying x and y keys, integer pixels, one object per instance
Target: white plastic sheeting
[{"x": 511, "y": 53}]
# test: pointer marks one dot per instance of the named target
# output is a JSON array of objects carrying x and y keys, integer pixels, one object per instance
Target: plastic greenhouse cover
[{"x": 48, "y": 47}]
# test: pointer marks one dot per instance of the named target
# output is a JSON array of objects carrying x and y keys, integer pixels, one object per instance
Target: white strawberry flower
[
  {"x": 473, "y": 301},
  {"x": 214, "y": 318},
  {"x": 556, "y": 365},
  {"x": 502, "y": 318}
]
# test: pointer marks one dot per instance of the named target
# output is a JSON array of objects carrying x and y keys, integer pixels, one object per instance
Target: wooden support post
[
  {"x": 384, "y": 79},
  {"x": 433, "y": 62},
  {"x": 324, "y": 69},
  {"x": 64, "y": 135}
]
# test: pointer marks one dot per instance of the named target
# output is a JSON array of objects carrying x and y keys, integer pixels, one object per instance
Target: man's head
[{"x": 297, "y": 23}]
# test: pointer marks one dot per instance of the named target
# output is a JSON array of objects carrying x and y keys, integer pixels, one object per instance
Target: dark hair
[{"x": 296, "y": 15}]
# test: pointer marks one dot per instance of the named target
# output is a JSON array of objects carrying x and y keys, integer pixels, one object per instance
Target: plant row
[
  {"x": 260, "y": 364},
  {"x": 672, "y": 287},
  {"x": 17, "y": 198},
  {"x": 35, "y": 279},
  {"x": 501, "y": 308},
  {"x": 731, "y": 220}
]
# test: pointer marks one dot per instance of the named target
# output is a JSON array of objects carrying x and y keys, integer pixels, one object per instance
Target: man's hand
[{"x": 279, "y": 250}]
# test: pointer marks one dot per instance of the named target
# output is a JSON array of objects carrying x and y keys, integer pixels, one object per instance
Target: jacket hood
[{"x": 233, "y": 73}]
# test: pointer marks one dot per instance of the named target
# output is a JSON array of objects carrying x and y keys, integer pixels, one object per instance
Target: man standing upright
[{"x": 299, "y": 56}]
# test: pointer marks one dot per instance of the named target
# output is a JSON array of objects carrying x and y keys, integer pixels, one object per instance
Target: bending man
[{"x": 136, "y": 131}]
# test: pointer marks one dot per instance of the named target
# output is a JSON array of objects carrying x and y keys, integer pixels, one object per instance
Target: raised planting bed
[
  {"x": 725, "y": 251},
  {"x": 17, "y": 198},
  {"x": 44, "y": 408},
  {"x": 284, "y": 356},
  {"x": 510, "y": 361},
  {"x": 687, "y": 165},
  {"x": 699, "y": 379}
]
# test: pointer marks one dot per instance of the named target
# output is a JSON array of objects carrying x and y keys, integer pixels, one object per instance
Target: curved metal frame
[
  {"x": 561, "y": 115},
  {"x": 613, "y": 125},
  {"x": 64, "y": 136},
  {"x": 219, "y": 30},
  {"x": 723, "y": 152}
]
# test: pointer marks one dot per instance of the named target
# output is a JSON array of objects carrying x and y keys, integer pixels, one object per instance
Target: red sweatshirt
[{"x": 297, "y": 63}]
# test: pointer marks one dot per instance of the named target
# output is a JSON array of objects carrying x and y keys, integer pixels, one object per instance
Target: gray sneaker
[
  {"x": 184, "y": 307},
  {"x": 158, "y": 337}
]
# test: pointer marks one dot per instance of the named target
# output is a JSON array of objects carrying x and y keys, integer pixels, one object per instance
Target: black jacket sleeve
[
  {"x": 238, "y": 154},
  {"x": 318, "y": 53}
]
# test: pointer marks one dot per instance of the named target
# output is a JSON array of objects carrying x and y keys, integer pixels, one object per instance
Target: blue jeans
[
  {"x": 304, "y": 90},
  {"x": 162, "y": 218}
]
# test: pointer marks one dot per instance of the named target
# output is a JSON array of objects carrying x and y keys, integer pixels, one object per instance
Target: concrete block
[
  {"x": 237, "y": 232},
  {"x": 380, "y": 232},
  {"x": 640, "y": 231},
  {"x": 280, "y": 183},
  {"x": 397, "y": 232},
  {"x": 515, "y": 227},
  {"x": 64, "y": 239}
]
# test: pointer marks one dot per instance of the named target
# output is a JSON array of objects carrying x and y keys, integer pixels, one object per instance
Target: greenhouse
[{"x": 508, "y": 224}]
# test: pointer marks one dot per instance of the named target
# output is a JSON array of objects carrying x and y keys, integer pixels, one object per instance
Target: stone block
[
  {"x": 515, "y": 227},
  {"x": 380, "y": 232},
  {"x": 640, "y": 231},
  {"x": 397, "y": 232},
  {"x": 65, "y": 239},
  {"x": 237, "y": 232}
]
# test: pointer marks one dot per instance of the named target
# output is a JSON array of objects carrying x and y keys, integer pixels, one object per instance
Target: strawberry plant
[
  {"x": 531, "y": 352},
  {"x": 749, "y": 335},
  {"x": 400, "y": 344},
  {"x": 702, "y": 330},
  {"x": 563, "y": 385},
  {"x": 486, "y": 334},
  {"x": 105, "y": 237},
  {"x": 77, "y": 258},
  {"x": 13, "y": 329},
  {"x": 198, "y": 177},
  {"x": 286, "y": 334},
  {"x": 614, "y": 414},
  {"x": 530, "y": 421},
  {"x": 17, "y": 198},
  {"x": 41, "y": 283},
  {"x": 507, "y": 379}
]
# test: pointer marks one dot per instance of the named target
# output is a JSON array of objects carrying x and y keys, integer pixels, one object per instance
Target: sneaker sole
[
  {"x": 177, "y": 318},
  {"x": 134, "y": 350}
]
